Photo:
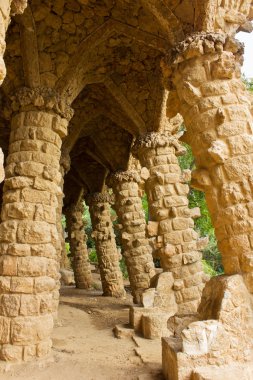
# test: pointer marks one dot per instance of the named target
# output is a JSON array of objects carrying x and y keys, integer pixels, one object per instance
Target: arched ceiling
[{"x": 103, "y": 57}]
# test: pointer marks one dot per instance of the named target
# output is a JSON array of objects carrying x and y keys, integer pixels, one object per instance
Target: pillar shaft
[
  {"x": 217, "y": 113},
  {"x": 78, "y": 247},
  {"x": 171, "y": 224},
  {"x": 103, "y": 234},
  {"x": 29, "y": 278},
  {"x": 136, "y": 249}
]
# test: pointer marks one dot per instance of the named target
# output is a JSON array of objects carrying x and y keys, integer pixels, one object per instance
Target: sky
[{"x": 247, "y": 39}]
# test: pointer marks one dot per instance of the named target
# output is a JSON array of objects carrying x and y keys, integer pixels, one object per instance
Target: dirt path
[{"x": 83, "y": 344}]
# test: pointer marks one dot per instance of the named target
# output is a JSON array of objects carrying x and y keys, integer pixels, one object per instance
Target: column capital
[
  {"x": 124, "y": 176},
  {"x": 153, "y": 140},
  {"x": 104, "y": 197},
  {"x": 198, "y": 45},
  {"x": 41, "y": 98}
]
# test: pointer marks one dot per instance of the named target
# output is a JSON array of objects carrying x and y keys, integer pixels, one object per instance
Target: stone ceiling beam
[
  {"x": 73, "y": 79},
  {"x": 126, "y": 106},
  {"x": 167, "y": 20},
  {"x": 29, "y": 48}
]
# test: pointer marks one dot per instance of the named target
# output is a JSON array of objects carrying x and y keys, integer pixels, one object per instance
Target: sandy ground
[{"x": 84, "y": 347}]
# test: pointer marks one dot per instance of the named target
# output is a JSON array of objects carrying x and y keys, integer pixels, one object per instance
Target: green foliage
[
  {"x": 93, "y": 256},
  {"x": 145, "y": 206},
  {"x": 123, "y": 268},
  {"x": 208, "y": 269},
  {"x": 212, "y": 255},
  {"x": 67, "y": 247}
]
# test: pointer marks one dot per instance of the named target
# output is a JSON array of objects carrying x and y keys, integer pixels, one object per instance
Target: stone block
[
  {"x": 29, "y": 352},
  {"x": 170, "y": 347},
  {"x": 32, "y": 266},
  {"x": 16, "y": 249},
  {"x": 123, "y": 331},
  {"x": 46, "y": 304},
  {"x": 38, "y": 118},
  {"x": 5, "y": 284},
  {"x": 8, "y": 231},
  {"x": 32, "y": 232},
  {"x": 135, "y": 317},
  {"x": 22, "y": 285},
  {"x": 44, "y": 250},
  {"x": 9, "y": 305},
  {"x": 180, "y": 223},
  {"x": 152, "y": 228},
  {"x": 198, "y": 338},
  {"x": 44, "y": 348},
  {"x": 154, "y": 325},
  {"x": 29, "y": 169},
  {"x": 148, "y": 297},
  {"x": 4, "y": 330},
  {"x": 36, "y": 196},
  {"x": 31, "y": 330},
  {"x": 8, "y": 265},
  {"x": 11, "y": 353},
  {"x": 29, "y": 305}
]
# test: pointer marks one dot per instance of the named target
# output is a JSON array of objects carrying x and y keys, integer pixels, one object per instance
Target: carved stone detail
[{"x": 43, "y": 98}]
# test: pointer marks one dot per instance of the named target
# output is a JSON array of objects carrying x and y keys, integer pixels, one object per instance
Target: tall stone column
[
  {"x": 204, "y": 74},
  {"x": 103, "y": 234},
  {"x": 29, "y": 265},
  {"x": 78, "y": 247},
  {"x": 171, "y": 222},
  {"x": 136, "y": 249}
]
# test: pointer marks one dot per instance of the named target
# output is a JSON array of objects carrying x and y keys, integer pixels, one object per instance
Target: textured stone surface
[
  {"x": 171, "y": 226},
  {"x": 136, "y": 248},
  {"x": 78, "y": 248},
  {"x": 226, "y": 324},
  {"x": 103, "y": 234},
  {"x": 32, "y": 238}
]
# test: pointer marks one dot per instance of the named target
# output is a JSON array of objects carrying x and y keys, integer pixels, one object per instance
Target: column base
[{"x": 220, "y": 344}]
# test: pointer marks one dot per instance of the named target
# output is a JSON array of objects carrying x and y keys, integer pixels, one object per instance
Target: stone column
[
  {"x": 29, "y": 265},
  {"x": 78, "y": 247},
  {"x": 103, "y": 234},
  {"x": 171, "y": 222},
  {"x": 7, "y": 7},
  {"x": 65, "y": 163},
  {"x": 136, "y": 249},
  {"x": 204, "y": 74}
]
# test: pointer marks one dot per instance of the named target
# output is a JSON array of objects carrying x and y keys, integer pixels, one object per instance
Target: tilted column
[
  {"x": 136, "y": 249},
  {"x": 29, "y": 278},
  {"x": 78, "y": 247},
  {"x": 205, "y": 76},
  {"x": 171, "y": 221},
  {"x": 103, "y": 234}
]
